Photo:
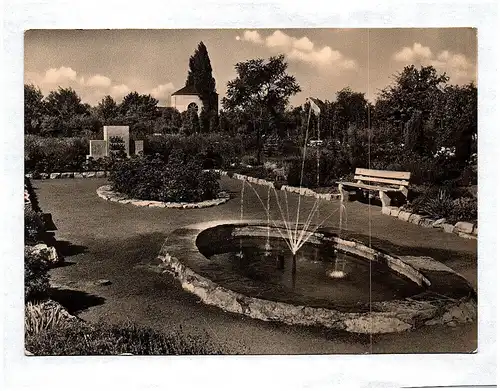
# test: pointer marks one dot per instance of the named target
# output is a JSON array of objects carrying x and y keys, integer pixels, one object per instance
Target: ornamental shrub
[{"x": 180, "y": 179}]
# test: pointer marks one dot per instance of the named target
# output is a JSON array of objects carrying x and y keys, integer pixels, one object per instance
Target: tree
[
  {"x": 453, "y": 121},
  {"x": 34, "y": 109},
  {"x": 413, "y": 89},
  {"x": 137, "y": 107},
  {"x": 262, "y": 90},
  {"x": 66, "y": 114},
  {"x": 64, "y": 104},
  {"x": 200, "y": 77},
  {"x": 349, "y": 108},
  {"x": 106, "y": 109}
]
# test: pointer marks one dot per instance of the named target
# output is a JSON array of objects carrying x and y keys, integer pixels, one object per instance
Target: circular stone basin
[
  {"x": 248, "y": 268},
  {"x": 266, "y": 269}
]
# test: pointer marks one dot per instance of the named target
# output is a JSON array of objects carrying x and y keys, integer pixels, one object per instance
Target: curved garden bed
[{"x": 106, "y": 193}]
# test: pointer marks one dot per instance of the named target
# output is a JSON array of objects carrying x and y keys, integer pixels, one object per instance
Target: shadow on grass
[
  {"x": 67, "y": 249},
  {"x": 75, "y": 301}
]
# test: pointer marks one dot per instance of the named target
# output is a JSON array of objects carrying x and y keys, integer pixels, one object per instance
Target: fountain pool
[{"x": 246, "y": 267}]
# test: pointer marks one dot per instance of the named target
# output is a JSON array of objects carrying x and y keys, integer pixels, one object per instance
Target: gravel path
[{"x": 119, "y": 243}]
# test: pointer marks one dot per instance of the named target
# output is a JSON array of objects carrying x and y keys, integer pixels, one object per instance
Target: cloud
[
  {"x": 91, "y": 88},
  {"x": 60, "y": 75},
  {"x": 119, "y": 91},
  {"x": 415, "y": 53},
  {"x": 250, "y": 36},
  {"x": 163, "y": 91},
  {"x": 457, "y": 66},
  {"x": 98, "y": 81},
  {"x": 300, "y": 49}
]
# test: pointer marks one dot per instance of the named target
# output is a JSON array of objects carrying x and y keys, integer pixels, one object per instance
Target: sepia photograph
[{"x": 250, "y": 191}]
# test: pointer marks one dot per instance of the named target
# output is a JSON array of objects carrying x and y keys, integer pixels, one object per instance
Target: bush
[
  {"x": 454, "y": 204},
  {"x": 32, "y": 195},
  {"x": 249, "y": 160},
  {"x": 331, "y": 167},
  {"x": 54, "y": 154},
  {"x": 34, "y": 226},
  {"x": 102, "y": 339},
  {"x": 464, "y": 209},
  {"x": 36, "y": 278},
  {"x": 213, "y": 150},
  {"x": 181, "y": 179},
  {"x": 39, "y": 317}
]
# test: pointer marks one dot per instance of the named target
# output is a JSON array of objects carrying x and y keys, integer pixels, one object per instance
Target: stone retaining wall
[
  {"x": 462, "y": 228},
  {"x": 106, "y": 193}
]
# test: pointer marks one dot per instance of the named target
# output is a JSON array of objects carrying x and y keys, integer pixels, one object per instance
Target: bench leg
[
  {"x": 344, "y": 195},
  {"x": 386, "y": 200}
]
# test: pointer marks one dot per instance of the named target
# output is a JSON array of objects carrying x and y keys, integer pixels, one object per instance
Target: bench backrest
[{"x": 398, "y": 178}]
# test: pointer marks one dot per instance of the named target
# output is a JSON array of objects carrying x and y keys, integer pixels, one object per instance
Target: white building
[{"x": 186, "y": 98}]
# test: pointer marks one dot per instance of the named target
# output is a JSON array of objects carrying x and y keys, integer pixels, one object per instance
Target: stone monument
[
  {"x": 114, "y": 136},
  {"x": 118, "y": 131},
  {"x": 98, "y": 149}
]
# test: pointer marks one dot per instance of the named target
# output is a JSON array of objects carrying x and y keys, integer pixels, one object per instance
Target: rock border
[
  {"x": 106, "y": 193},
  {"x": 463, "y": 229},
  {"x": 385, "y": 317},
  {"x": 291, "y": 189},
  {"x": 66, "y": 175}
]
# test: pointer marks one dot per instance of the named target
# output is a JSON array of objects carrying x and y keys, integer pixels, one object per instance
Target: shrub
[
  {"x": 36, "y": 278},
  {"x": 181, "y": 179},
  {"x": 331, "y": 167},
  {"x": 32, "y": 195},
  {"x": 249, "y": 160},
  {"x": 54, "y": 154},
  {"x": 102, "y": 339},
  {"x": 34, "y": 226},
  {"x": 215, "y": 151},
  {"x": 464, "y": 209},
  {"x": 434, "y": 202},
  {"x": 39, "y": 317}
]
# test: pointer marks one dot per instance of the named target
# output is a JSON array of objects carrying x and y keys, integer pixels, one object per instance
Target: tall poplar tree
[{"x": 200, "y": 77}]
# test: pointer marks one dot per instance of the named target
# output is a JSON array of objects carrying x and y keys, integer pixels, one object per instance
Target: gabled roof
[{"x": 187, "y": 90}]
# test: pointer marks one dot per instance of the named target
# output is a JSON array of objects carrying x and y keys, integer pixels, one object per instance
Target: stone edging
[
  {"x": 462, "y": 228},
  {"x": 291, "y": 189},
  {"x": 106, "y": 193},
  {"x": 64, "y": 175},
  {"x": 385, "y": 317}
]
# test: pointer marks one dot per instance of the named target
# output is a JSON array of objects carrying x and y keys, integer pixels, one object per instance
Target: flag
[{"x": 315, "y": 104}]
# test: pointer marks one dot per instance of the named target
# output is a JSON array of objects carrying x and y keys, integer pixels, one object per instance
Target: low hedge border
[
  {"x": 106, "y": 193},
  {"x": 463, "y": 229}
]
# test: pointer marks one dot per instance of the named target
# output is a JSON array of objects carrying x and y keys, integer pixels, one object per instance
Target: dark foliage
[
  {"x": 179, "y": 179},
  {"x": 36, "y": 278}
]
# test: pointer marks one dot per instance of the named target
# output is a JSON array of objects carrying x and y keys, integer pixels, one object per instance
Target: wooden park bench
[{"x": 383, "y": 181}]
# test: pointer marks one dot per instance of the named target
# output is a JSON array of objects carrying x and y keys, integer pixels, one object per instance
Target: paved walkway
[{"x": 106, "y": 240}]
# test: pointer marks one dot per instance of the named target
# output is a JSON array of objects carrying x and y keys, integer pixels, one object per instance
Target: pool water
[{"x": 265, "y": 268}]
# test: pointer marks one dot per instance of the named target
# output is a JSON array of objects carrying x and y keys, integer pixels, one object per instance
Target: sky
[{"x": 115, "y": 62}]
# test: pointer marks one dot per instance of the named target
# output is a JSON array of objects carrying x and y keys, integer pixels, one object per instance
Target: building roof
[{"x": 187, "y": 90}]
